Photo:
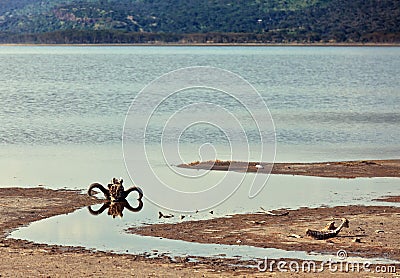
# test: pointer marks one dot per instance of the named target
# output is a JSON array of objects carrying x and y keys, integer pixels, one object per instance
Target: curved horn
[
  {"x": 138, "y": 208},
  {"x": 134, "y": 188},
  {"x": 100, "y": 210},
  {"x": 101, "y": 187}
]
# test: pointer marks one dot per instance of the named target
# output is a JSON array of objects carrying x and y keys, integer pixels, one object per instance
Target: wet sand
[{"x": 335, "y": 169}]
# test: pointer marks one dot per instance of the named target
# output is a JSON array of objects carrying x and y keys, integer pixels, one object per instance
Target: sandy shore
[{"x": 335, "y": 169}]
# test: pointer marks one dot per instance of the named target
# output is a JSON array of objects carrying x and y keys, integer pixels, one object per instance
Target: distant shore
[{"x": 217, "y": 44}]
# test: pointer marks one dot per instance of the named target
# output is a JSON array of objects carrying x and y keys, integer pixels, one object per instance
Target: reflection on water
[
  {"x": 116, "y": 208},
  {"x": 115, "y": 195}
]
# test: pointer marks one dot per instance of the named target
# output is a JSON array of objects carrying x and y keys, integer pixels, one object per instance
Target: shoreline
[
  {"x": 21, "y": 258},
  {"x": 215, "y": 44},
  {"x": 335, "y": 169}
]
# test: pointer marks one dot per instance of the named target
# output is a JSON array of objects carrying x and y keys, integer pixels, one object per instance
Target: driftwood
[
  {"x": 274, "y": 214},
  {"x": 161, "y": 215}
]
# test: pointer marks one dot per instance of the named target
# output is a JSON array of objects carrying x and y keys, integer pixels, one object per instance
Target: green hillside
[{"x": 116, "y": 21}]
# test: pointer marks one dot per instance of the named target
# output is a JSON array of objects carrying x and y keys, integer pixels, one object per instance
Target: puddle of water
[{"x": 103, "y": 232}]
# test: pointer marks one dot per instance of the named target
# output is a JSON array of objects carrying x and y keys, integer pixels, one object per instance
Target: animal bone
[
  {"x": 326, "y": 232},
  {"x": 115, "y": 191}
]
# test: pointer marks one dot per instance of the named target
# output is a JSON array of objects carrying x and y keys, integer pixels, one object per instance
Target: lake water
[
  {"x": 63, "y": 108},
  {"x": 63, "y": 113}
]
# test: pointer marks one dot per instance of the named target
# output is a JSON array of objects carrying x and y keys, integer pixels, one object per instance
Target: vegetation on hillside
[{"x": 115, "y": 21}]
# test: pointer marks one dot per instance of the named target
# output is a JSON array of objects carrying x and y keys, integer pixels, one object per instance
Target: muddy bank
[
  {"x": 342, "y": 169},
  {"x": 374, "y": 227},
  {"x": 21, "y": 206},
  {"x": 391, "y": 199}
]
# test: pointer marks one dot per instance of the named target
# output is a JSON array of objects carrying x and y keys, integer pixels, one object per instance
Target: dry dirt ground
[{"x": 376, "y": 227}]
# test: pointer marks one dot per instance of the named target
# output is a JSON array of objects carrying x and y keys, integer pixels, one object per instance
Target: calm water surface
[
  {"x": 63, "y": 110},
  {"x": 65, "y": 106}
]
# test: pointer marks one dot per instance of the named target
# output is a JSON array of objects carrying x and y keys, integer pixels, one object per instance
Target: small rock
[
  {"x": 258, "y": 222},
  {"x": 379, "y": 231},
  {"x": 358, "y": 240}
]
